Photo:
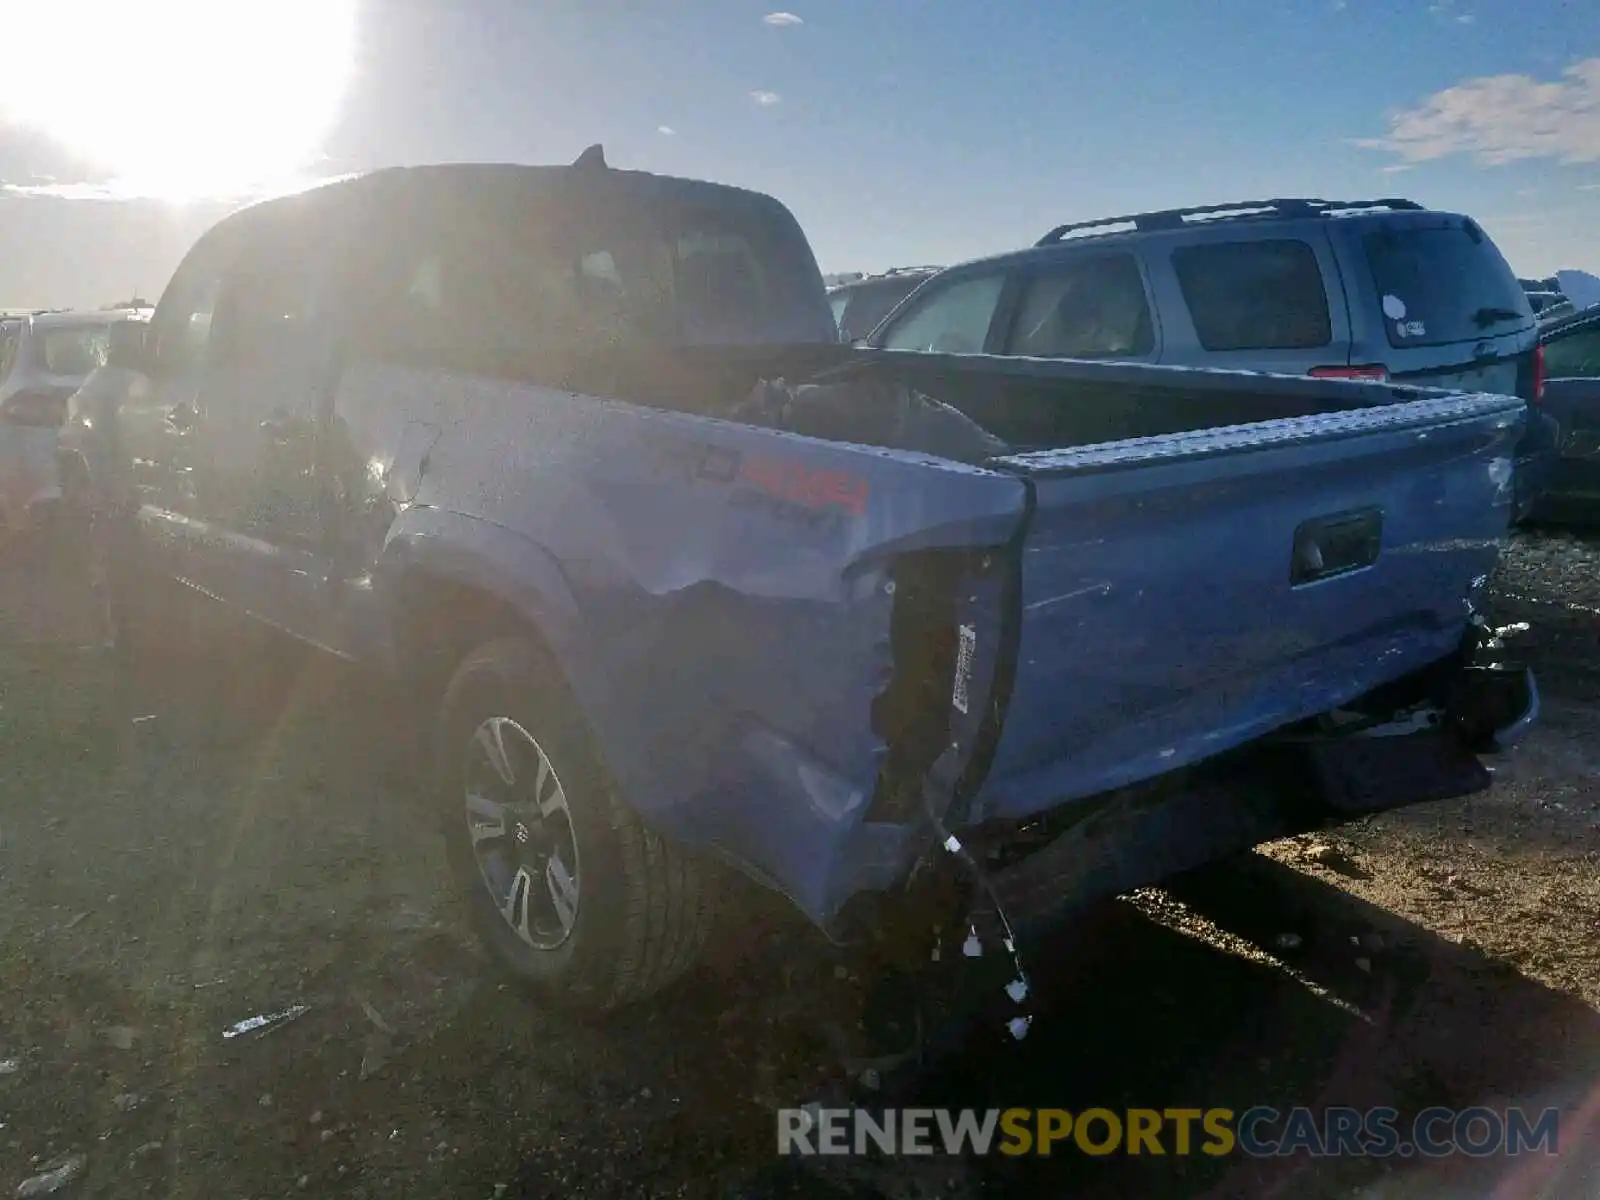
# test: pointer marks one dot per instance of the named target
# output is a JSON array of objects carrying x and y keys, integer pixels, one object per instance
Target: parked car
[
  {"x": 860, "y": 304},
  {"x": 44, "y": 357},
  {"x": 516, "y": 437},
  {"x": 1572, "y": 398},
  {"x": 1543, "y": 301},
  {"x": 1375, "y": 289}
]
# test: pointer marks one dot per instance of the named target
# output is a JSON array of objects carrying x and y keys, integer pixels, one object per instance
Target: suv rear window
[
  {"x": 1443, "y": 284},
  {"x": 1260, "y": 295}
]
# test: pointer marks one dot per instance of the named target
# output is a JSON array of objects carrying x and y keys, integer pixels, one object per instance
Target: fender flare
[{"x": 517, "y": 572}]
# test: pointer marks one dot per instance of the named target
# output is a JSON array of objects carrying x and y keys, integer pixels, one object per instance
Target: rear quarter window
[
  {"x": 1433, "y": 285},
  {"x": 1258, "y": 295}
]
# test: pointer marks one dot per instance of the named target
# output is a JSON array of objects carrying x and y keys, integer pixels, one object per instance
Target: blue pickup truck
[{"x": 574, "y": 454}]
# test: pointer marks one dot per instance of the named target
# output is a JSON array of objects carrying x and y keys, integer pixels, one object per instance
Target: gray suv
[{"x": 1373, "y": 289}]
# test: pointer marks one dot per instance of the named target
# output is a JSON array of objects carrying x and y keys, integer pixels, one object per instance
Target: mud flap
[{"x": 1367, "y": 775}]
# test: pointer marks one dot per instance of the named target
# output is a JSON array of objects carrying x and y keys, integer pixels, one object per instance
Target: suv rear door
[{"x": 1432, "y": 299}]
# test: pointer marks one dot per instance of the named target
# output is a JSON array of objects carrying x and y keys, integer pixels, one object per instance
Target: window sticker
[{"x": 1394, "y": 308}]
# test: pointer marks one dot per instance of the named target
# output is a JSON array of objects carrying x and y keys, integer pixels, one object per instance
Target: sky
[{"x": 897, "y": 131}]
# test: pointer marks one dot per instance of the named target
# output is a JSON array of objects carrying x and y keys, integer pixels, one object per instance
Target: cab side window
[
  {"x": 953, "y": 319},
  {"x": 264, "y": 311}
]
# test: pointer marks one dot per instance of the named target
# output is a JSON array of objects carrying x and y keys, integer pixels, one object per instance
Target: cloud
[
  {"x": 1589, "y": 187},
  {"x": 1445, "y": 10},
  {"x": 1498, "y": 119},
  {"x": 132, "y": 189},
  {"x": 29, "y": 157},
  {"x": 63, "y": 191},
  {"x": 666, "y": 131},
  {"x": 781, "y": 20},
  {"x": 766, "y": 99},
  {"x": 34, "y": 166},
  {"x": 1395, "y": 168}
]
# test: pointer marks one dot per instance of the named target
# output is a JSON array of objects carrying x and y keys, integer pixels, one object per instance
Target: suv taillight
[
  {"x": 1538, "y": 374},
  {"x": 46, "y": 410},
  {"x": 1375, "y": 373}
]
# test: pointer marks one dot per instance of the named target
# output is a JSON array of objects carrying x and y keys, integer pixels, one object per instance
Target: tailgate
[{"x": 1182, "y": 595}]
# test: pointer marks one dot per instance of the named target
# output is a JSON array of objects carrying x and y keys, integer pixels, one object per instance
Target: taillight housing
[
  {"x": 1371, "y": 373},
  {"x": 39, "y": 410},
  {"x": 1537, "y": 394}
]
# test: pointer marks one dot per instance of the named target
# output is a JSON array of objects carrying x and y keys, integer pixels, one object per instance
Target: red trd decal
[{"x": 808, "y": 487}]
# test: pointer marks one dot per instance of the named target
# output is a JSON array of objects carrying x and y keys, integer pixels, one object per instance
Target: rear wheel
[{"x": 566, "y": 887}]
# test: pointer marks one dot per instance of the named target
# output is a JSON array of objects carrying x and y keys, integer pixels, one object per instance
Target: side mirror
[{"x": 128, "y": 345}]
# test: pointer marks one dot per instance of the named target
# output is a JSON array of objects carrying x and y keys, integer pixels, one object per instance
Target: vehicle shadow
[{"x": 1188, "y": 999}]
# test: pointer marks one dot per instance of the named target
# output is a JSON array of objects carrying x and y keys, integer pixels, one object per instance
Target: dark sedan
[{"x": 1572, "y": 397}]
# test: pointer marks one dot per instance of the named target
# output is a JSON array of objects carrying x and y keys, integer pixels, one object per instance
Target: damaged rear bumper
[{"x": 1142, "y": 835}]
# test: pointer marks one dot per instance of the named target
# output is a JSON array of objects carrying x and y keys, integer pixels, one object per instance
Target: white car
[{"x": 44, "y": 359}]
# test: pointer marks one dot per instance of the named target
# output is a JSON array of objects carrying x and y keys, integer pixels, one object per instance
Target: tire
[{"x": 638, "y": 910}]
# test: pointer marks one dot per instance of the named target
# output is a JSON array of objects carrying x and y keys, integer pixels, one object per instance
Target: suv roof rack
[
  {"x": 1240, "y": 210},
  {"x": 893, "y": 271}
]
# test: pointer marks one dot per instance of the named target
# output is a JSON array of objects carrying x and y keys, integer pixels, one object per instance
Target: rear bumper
[{"x": 1274, "y": 790}]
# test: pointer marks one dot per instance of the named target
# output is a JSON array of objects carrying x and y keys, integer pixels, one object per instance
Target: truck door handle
[{"x": 1335, "y": 545}]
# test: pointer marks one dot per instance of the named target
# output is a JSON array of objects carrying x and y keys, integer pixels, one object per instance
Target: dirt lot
[{"x": 180, "y": 853}]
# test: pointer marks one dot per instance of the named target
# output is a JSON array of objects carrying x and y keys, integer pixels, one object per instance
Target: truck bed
[{"x": 798, "y": 650}]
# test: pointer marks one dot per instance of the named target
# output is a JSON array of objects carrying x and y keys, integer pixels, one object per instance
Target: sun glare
[{"x": 183, "y": 99}]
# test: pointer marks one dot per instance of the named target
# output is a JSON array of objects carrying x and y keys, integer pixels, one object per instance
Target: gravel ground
[{"x": 183, "y": 852}]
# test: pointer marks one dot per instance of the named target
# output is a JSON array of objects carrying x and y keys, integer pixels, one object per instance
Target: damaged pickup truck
[{"x": 574, "y": 452}]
